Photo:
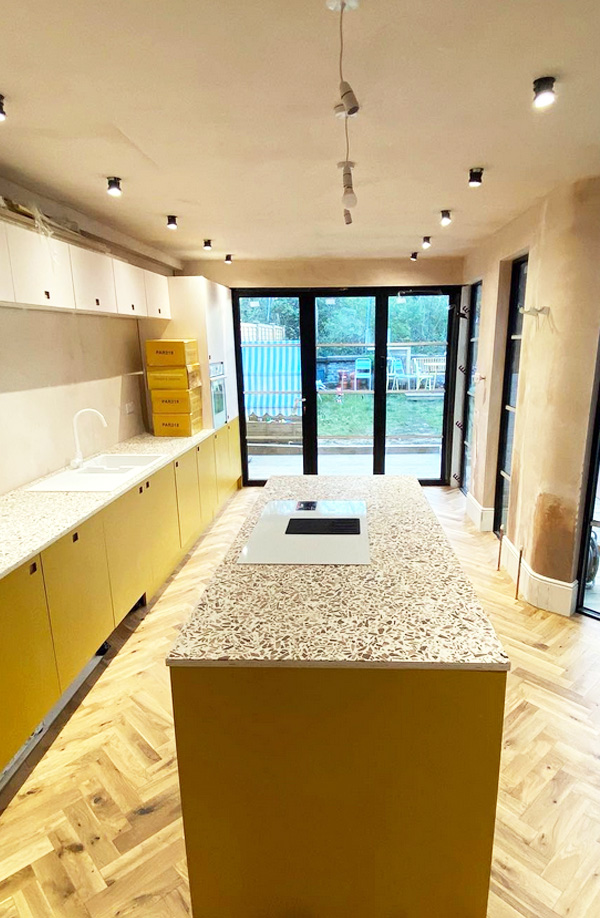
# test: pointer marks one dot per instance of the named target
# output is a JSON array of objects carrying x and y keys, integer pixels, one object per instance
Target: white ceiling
[{"x": 220, "y": 111}]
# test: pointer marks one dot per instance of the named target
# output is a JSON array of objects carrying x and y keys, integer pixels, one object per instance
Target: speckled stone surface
[
  {"x": 411, "y": 607},
  {"x": 32, "y": 520}
]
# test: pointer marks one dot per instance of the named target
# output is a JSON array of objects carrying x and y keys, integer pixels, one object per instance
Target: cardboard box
[
  {"x": 172, "y": 352},
  {"x": 176, "y": 425},
  {"x": 176, "y": 401},
  {"x": 174, "y": 377}
]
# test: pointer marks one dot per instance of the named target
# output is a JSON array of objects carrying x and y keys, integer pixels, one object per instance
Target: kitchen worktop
[
  {"x": 32, "y": 520},
  {"x": 411, "y": 607}
]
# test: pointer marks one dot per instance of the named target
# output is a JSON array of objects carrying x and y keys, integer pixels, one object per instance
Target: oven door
[{"x": 218, "y": 400}]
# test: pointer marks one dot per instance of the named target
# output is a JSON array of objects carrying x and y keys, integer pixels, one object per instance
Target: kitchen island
[{"x": 339, "y": 726}]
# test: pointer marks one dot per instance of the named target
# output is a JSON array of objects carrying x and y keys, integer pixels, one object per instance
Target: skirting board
[
  {"x": 483, "y": 517},
  {"x": 542, "y": 592}
]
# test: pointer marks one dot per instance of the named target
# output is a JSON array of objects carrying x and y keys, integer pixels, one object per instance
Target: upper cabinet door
[
  {"x": 7, "y": 290},
  {"x": 41, "y": 268},
  {"x": 131, "y": 289},
  {"x": 157, "y": 295},
  {"x": 94, "y": 280}
]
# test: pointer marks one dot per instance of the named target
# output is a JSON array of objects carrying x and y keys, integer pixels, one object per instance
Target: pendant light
[
  {"x": 2, "y": 112},
  {"x": 207, "y": 245},
  {"x": 172, "y": 222},
  {"x": 446, "y": 218},
  {"x": 229, "y": 259},
  {"x": 347, "y": 217},
  {"x": 543, "y": 92},
  {"x": 426, "y": 244},
  {"x": 114, "y": 186},
  {"x": 349, "y": 100},
  {"x": 348, "y": 196},
  {"x": 475, "y": 176},
  {"x": 414, "y": 256}
]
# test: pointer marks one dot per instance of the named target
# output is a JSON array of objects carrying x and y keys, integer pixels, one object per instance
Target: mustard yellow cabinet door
[
  {"x": 79, "y": 598},
  {"x": 223, "y": 465},
  {"x": 163, "y": 524},
  {"x": 235, "y": 454},
  {"x": 28, "y": 678},
  {"x": 188, "y": 498},
  {"x": 207, "y": 480},
  {"x": 128, "y": 550}
]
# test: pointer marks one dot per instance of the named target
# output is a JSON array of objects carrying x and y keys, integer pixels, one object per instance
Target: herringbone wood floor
[{"x": 94, "y": 830}]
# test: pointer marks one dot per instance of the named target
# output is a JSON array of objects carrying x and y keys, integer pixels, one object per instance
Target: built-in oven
[{"x": 217, "y": 394}]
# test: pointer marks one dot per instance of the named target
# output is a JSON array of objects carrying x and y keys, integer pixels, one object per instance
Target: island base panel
[{"x": 323, "y": 793}]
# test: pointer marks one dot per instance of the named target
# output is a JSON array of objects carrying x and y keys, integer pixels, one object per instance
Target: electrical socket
[{"x": 129, "y": 407}]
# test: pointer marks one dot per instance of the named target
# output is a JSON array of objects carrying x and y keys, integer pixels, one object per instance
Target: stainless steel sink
[{"x": 102, "y": 473}]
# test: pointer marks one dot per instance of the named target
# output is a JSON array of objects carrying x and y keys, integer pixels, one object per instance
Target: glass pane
[
  {"x": 467, "y": 467},
  {"x": 345, "y": 365},
  {"x": 514, "y": 356},
  {"x": 504, "y": 493},
  {"x": 509, "y": 422},
  {"x": 476, "y": 307},
  {"x": 416, "y": 375},
  {"x": 270, "y": 339}
]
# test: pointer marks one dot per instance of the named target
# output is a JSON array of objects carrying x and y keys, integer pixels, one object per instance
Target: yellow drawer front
[
  {"x": 172, "y": 352},
  {"x": 176, "y": 401},
  {"x": 28, "y": 677},
  {"x": 176, "y": 425},
  {"x": 174, "y": 377}
]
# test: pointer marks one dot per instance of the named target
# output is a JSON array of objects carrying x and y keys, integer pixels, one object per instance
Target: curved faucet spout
[{"x": 78, "y": 460}]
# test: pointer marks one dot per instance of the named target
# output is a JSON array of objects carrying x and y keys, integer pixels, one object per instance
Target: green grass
[{"x": 352, "y": 415}]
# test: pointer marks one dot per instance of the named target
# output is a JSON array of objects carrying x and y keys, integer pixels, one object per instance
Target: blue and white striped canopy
[{"x": 272, "y": 379}]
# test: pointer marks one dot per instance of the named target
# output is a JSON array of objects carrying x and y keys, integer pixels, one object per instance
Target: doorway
[{"x": 346, "y": 382}]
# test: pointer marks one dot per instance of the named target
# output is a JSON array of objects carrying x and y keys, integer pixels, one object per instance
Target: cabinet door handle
[
  {"x": 97, "y": 301},
  {"x": 33, "y": 567},
  {"x": 147, "y": 484},
  {"x": 47, "y": 294},
  {"x": 176, "y": 465},
  {"x": 159, "y": 310},
  {"x": 133, "y": 306},
  {"x": 141, "y": 490},
  {"x": 76, "y": 537}
]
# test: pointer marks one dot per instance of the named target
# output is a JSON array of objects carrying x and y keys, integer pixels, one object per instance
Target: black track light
[
  {"x": 229, "y": 259},
  {"x": 543, "y": 92},
  {"x": 475, "y": 176},
  {"x": 2, "y": 112},
  {"x": 414, "y": 256},
  {"x": 114, "y": 186},
  {"x": 207, "y": 245},
  {"x": 172, "y": 222},
  {"x": 426, "y": 244},
  {"x": 446, "y": 218}
]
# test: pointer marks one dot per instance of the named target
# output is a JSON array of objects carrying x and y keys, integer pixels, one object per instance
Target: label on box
[
  {"x": 174, "y": 377},
  {"x": 172, "y": 352}
]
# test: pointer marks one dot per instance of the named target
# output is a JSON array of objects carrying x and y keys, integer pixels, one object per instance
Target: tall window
[
  {"x": 472, "y": 353},
  {"x": 511, "y": 384}
]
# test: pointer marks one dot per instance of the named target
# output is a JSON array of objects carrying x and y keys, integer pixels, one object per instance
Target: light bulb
[
  {"x": 207, "y": 245},
  {"x": 426, "y": 244},
  {"x": 414, "y": 256},
  {"x": 348, "y": 215},
  {"x": 348, "y": 98},
  {"x": 543, "y": 92},
  {"x": 349, "y": 198},
  {"x": 114, "y": 187},
  {"x": 446, "y": 218},
  {"x": 475, "y": 177},
  {"x": 228, "y": 259},
  {"x": 2, "y": 112},
  {"x": 172, "y": 222}
]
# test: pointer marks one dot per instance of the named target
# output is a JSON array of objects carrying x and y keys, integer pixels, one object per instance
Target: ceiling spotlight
[
  {"x": 446, "y": 218},
  {"x": 172, "y": 222},
  {"x": 349, "y": 100},
  {"x": 114, "y": 186},
  {"x": 207, "y": 245},
  {"x": 347, "y": 216},
  {"x": 348, "y": 197},
  {"x": 336, "y": 5},
  {"x": 475, "y": 177},
  {"x": 543, "y": 92},
  {"x": 426, "y": 242},
  {"x": 229, "y": 259},
  {"x": 2, "y": 112},
  {"x": 414, "y": 256}
]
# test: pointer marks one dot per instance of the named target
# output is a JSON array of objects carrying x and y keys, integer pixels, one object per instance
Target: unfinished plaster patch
[{"x": 553, "y": 538}]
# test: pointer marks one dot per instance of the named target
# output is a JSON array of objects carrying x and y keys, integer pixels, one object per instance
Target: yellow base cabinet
[
  {"x": 188, "y": 498},
  {"x": 128, "y": 550},
  {"x": 207, "y": 480},
  {"x": 28, "y": 678},
  {"x": 160, "y": 499},
  {"x": 79, "y": 597},
  {"x": 235, "y": 455},
  {"x": 223, "y": 464}
]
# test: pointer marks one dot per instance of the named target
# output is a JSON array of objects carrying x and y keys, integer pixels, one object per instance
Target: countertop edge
[
  {"x": 176, "y": 663},
  {"x": 188, "y": 443}
]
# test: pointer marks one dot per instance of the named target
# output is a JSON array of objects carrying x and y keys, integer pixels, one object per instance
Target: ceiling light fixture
[
  {"x": 349, "y": 100},
  {"x": 346, "y": 108},
  {"x": 446, "y": 218},
  {"x": 348, "y": 196},
  {"x": 426, "y": 244},
  {"x": 114, "y": 186},
  {"x": 543, "y": 92},
  {"x": 172, "y": 222},
  {"x": 475, "y": 176},
  {"x": 414, "y": 256},
  {"x": 229, "y": 259},
  {"x": 207, "y": 245},
  {"x": 347, "y": 216},
  {"x": 2, "y": 112}
]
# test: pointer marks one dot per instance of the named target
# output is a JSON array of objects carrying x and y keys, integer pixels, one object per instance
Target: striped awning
[{"x": 272, "y": 379}]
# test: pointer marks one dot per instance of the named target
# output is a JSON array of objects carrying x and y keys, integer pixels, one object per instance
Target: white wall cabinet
[
  {"x": 93, "y": 280},
  {"x": 7, "y": 290},
  {"x": 130, "y": 288},
  {"x": 41, "y": 269},
  {"x": 157, "y": 295}
]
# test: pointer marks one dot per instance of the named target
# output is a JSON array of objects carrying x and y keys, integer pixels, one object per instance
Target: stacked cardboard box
[{"x": 173, "y": 374}]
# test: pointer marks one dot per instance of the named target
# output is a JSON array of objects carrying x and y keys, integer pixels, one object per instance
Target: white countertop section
[
  {"x": 412, "y": 606},
  {"x": 32, "y": 520}
]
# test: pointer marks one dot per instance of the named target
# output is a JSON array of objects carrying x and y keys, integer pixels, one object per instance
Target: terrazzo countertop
[
  {"x": 411, "y": 607},
  {"x": 32, "y": 520}
]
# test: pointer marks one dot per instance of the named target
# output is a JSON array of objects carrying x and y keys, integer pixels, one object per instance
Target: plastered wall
[
  {"x": 558, "y": 358},
  {"x": 51, "y": 365}
]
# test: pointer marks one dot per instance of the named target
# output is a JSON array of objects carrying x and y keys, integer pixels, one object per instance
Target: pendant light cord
[
  {"x": 342, "y": 40},
  {"x": 347, "y": 140}
]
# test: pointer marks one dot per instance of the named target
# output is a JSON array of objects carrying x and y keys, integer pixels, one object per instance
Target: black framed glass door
[
  {"x": 471, "y": 370},
  {"x": 345, "y": 382}
]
